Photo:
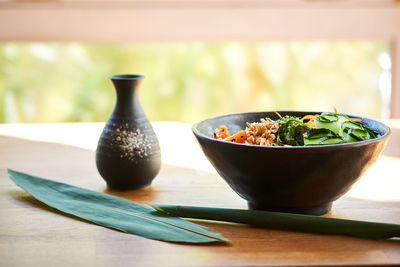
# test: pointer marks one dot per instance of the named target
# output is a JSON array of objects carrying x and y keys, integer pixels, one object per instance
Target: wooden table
[{"x": 32, "y": 234}]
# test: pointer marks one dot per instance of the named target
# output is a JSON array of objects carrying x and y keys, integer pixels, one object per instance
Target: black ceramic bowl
[{"x": 288, "y": 179}]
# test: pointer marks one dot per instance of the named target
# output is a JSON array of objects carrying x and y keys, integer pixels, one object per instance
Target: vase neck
[{"x": 126, "y": 88}]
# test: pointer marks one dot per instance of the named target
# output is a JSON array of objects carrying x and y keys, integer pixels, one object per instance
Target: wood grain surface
[{"x": 33, "y": 234}]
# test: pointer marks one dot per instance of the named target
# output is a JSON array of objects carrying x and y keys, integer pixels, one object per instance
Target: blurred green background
[{"x": 68, "y": 82}]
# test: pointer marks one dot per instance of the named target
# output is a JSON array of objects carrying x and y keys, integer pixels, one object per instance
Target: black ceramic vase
[{"x": 128, "y": 153}]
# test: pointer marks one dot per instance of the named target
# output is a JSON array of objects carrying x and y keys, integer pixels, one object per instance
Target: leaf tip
[{"x": 160, "y": 209}]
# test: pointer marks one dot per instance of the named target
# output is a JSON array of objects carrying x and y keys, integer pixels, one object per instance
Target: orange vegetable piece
[
  {"x": 221, "y": 132},
  {"x": 311, "y": 120},
  {"x": 239, "y": 137},
  {"x": 354, "y": 119}
]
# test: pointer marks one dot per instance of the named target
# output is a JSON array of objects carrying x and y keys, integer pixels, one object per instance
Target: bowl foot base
[{"x": 319, "y": 210}]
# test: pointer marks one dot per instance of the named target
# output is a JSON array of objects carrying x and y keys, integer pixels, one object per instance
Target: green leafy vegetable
[
  {"x": 332, "y": 122},
  {"x": 113, "y": 212},
  {"x": 290, "y": 132},
  {"x": 330, "y": 140},
  {"x": 355, "y": 131},
  {"x": 336, "y": 129},
  {"x": 314, "y": 136},
  {"x": 288, "y": 221}
]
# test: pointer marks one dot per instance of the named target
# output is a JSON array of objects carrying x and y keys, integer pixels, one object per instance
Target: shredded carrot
[
  {"x": 279, "y": 115},
  {"x": 335, "y": 110},
  {"x": 309, "y": 117},
  {"x": 311, "y": 120}
]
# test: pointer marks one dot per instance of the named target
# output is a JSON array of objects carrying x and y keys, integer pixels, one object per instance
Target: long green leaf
[
  {"x": 114, "y": 212},
  {"x": 287, "y": 221}
]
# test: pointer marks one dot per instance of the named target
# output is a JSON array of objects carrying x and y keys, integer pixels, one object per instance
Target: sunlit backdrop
[{"x": 68, "y": 82}]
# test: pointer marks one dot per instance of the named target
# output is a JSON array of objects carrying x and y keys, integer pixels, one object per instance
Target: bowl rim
[{"x": 197, "y": 132}]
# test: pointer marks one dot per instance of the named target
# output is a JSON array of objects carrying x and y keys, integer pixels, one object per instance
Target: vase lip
[{"x": 126, "y": 77}]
